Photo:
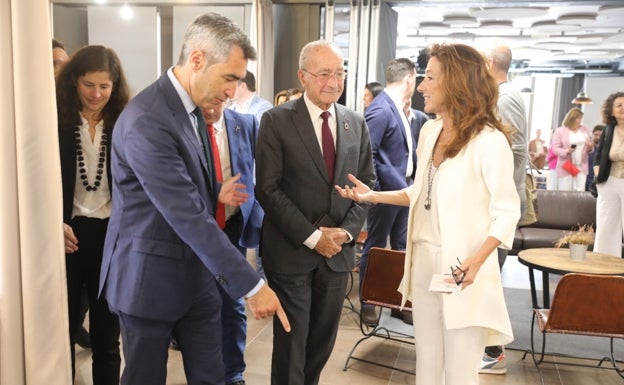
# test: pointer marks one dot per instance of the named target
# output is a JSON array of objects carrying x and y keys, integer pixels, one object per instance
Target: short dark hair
[
  {"x": 397, "y": 69},
  {"x": 375, "y": 88},
  {"x": 58, "y": 44},
  {"x": 250, "y": 81},
  {"x": 598, "y": 127}
]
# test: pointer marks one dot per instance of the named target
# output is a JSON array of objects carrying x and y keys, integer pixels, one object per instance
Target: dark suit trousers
[
  {"x": 83, "y": 270},
  {"x": 313, "y": 303},
  {"x": 198, "y": 333},
  {"x": 384, "y": 221},
  {"x": 233, "y": 316}
]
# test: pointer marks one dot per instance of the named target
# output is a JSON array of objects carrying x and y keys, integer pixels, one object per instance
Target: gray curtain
[{"x": 567, "y": 88}]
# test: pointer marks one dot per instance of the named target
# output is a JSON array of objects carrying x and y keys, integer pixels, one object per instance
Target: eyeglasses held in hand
[
  {"x": 324, "y": 76},
  {"x": 458, "y": 274}
]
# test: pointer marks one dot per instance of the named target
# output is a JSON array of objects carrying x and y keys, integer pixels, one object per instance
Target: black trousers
[{"x": 83, "y": 269}]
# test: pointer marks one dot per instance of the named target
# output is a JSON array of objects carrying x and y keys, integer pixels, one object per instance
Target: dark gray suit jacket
[{"x": 293, "y": 187}]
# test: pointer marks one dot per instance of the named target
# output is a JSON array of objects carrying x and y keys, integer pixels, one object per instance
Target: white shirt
[
  {"x": 317, "y": 122},
  {"x": 92, "y": 204},
  {"x": 224, "y": 157}
]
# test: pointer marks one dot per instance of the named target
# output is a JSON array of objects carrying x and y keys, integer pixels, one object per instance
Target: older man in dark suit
[
  {"x": 305, "y": 147},
  {"x": 164, "y": 253}
]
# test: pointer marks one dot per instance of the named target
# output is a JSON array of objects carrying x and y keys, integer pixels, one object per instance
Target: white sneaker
[{"x": 493, "y": 365}]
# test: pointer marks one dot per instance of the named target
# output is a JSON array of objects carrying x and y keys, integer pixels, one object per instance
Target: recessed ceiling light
[
  {"x": 552, "y": 26},
  {"x": 577, "y": 18},
  {"x": 505, "y": 12}
]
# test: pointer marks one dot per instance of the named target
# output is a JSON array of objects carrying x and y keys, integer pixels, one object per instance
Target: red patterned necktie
[
  {"x": 220, "y": 214},
  {"x": 329, "y": 151}
]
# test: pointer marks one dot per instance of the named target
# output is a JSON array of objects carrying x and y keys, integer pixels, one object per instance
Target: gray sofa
[{"x": 558, "y": 212}]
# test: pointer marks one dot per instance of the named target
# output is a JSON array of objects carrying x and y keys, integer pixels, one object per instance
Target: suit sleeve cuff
[
  {"x": 313, "y": 239},
  {"x": 256, "y": 289}
]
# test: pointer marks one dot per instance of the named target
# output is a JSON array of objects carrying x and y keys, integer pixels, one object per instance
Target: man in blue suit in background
[
  {"x": 235, "y": 136},
  {"x": 394, "y": 157},
  {"x": 164, "y": 255}
]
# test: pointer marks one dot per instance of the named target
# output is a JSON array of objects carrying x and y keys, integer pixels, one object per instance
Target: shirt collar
[
  {"x": 315, "y": 111},
  {"x": 188, "y": 103}
]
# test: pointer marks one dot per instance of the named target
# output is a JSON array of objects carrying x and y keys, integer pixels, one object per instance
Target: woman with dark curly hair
[
  {"x": 609, "y": 171},
  {"x": 463, "y": 205},
  {"x": 91, "y": 92}
]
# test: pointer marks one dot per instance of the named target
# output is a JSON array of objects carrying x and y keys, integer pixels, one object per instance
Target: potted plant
[{"x": 578, "y": 241}]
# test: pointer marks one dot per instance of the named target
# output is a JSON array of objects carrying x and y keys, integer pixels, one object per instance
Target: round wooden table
[{"x": 558, "y": 261}]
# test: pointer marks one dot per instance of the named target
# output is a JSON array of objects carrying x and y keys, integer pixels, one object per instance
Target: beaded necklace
[
  {"x": 81, "y": 161},
  {"x": 430, "y": 175}
]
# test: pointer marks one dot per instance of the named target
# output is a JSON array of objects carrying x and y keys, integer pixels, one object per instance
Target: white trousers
[
  {"x": 572, "y": 183},
  {"x": 443, "y": 356},
  {"x": 610, "y": 217}
]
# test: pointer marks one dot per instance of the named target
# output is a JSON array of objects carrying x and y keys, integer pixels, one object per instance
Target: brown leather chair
[
  {"x": 583, "y": 304},
  {"x": 379, "y": 288}
]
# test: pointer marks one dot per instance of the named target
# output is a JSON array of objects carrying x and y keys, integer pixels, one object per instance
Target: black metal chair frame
[
  {"x": 538, "y": 357},
  {"x": 393, "y": 260}
]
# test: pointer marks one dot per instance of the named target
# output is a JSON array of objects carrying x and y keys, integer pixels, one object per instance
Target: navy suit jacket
[
  {"x": 242, "y": 133},
  {"x": 163, "y": 242},
  {"x": 389, "y": 143}
]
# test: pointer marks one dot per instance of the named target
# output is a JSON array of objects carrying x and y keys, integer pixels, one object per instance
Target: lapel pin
[
  {"x": 237, "y": 128},
  {"x": 346, "y": 126}
]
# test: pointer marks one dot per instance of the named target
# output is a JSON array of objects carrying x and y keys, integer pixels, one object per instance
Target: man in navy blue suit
[
  {"x": 394, "y": 157},
  {"x": 165, "y": 255},
  {"x": 235, "y": 136}
]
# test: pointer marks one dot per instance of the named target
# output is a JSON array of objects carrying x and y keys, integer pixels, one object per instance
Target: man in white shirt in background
[{"x": 246, "y": 100}]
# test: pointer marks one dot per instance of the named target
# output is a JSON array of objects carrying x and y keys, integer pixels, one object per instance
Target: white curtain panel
[
  {"x": 34, "y": 347},
  {"x": 261, "y": 36}
]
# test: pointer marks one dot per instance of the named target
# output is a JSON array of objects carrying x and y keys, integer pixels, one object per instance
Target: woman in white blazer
[{"x": 463, "y": 205}]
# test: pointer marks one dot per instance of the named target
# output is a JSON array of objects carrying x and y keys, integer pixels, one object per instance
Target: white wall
[
  {"x": 136, "y": 41},
  {"x": 184, "y": 15},
  {"x": 598, "y": 89}
]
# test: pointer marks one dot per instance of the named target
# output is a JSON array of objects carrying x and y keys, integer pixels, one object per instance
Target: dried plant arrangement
[{"x": 583, "y": 236}]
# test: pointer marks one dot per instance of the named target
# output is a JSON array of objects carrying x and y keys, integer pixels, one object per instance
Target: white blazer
[{"x": 476, "y": 198}]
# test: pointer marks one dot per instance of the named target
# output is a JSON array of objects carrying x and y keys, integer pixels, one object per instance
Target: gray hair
[
  {"x": 501, "y": 57},
  {"x": 312, "y": 46},
  {"x": 215, "y": 35}
]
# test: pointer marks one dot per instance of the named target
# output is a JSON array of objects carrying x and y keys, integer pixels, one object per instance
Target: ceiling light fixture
[
  {"x": 552, "y": 26},
  {"x": 126, "y": 12},
  {"x": 505, "y": 12},
  {"x": 433, "y": 26},
  {"x": 611, "y": 10},
  {"x": 581, "y": 98},
  {"x": 577, "y": 18},
  {"x": 460, "y": 20}
]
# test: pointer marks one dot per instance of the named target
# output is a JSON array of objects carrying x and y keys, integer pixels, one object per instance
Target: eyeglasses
[
  {"x": 324, "y": 76},
  {"x": 459, "y": 278}
]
